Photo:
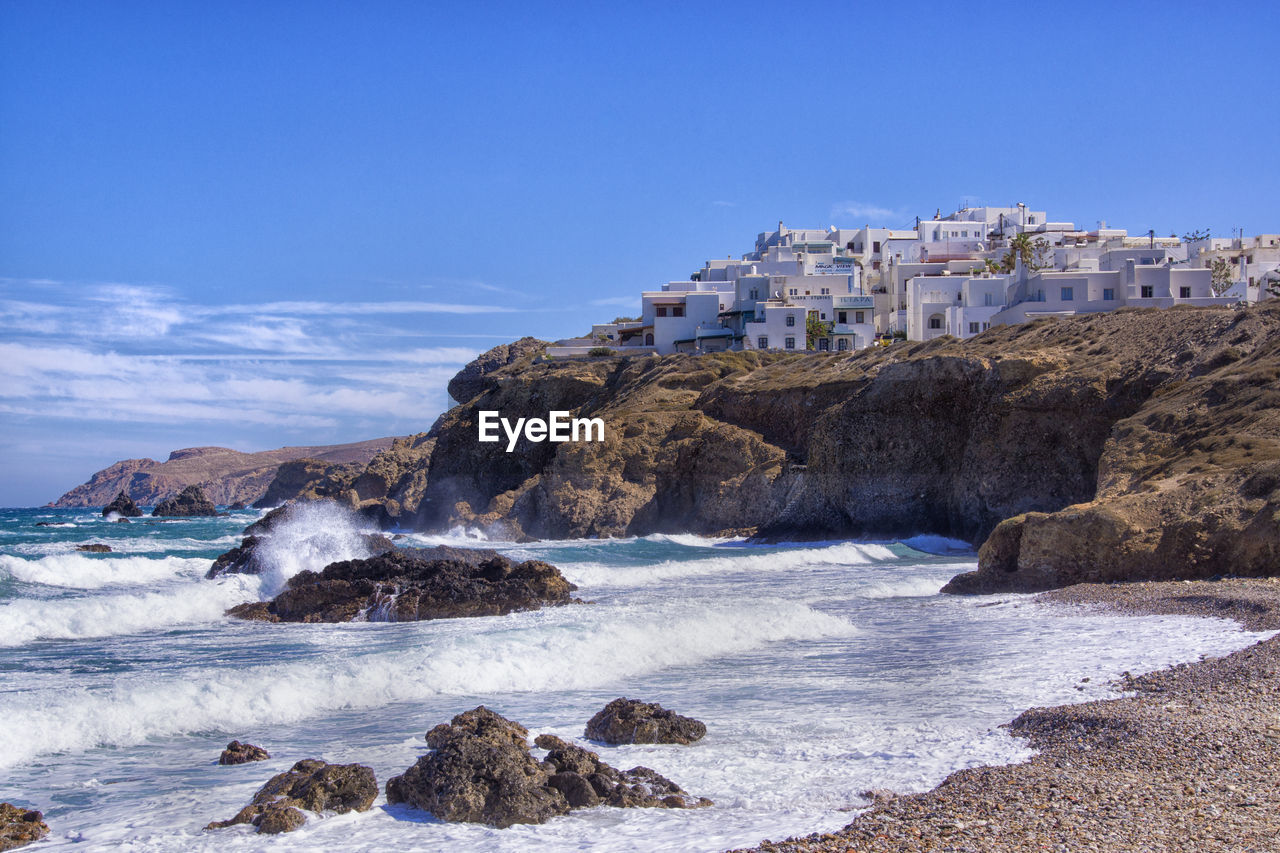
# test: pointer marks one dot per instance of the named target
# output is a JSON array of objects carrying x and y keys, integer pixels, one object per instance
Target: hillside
[
  {"x": 225, "y": 475},
  {"x": 1134, "y": 444}
]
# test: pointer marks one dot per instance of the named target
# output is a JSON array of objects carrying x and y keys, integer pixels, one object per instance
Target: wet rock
[
  {"x": 242, "y": 753},
  {"x": 412, "y": 584},
  {"x": 94, "y": 548},
  {"x": 482, "y": 771},
  {"x": 191, "y": 503},
  {"x": 122, "y": 506},
  {"x": 238, "y": 505},
  {"x": 631, "y": 721},
  {"x": 19, "y": 826},
  {"x": 310, "y": 784},
  {"x": 639, "y": 787}
]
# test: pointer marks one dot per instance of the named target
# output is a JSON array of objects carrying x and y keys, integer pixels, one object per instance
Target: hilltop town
[{"x": 844, "y": 289}]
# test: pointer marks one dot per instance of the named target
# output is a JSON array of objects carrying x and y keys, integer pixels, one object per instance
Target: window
[
  {"x": 822, "y": 316},
  {"x": 859, "y": 316},
  {"x": 791, "y": 319},
  {"x": 1184, "y": 293},
  {"x": 755, "y": 293},
  {"x": 987, "y": 299},
  {"x": 762, "y": 342},
  {"x": 793, "y": 291},
  {"x": 973, "y": 328},
  {"x": 825, "y": 291},
  {"x": 1108, "y": 294},
  {"x": 677, "y": 310},
  {"x": 662, "y": 310},
  {"x": 935, "y": 322},
  {"x": 986, "y": 326},
  {"x": 648, "y": 339},
  {"x": 842, "y": 344},
  {"x": 875, "y": 247},
  {"x": 1147, "y": 291},
  {"x": 842, "y": 317},
  {"x": 1068, "y": 294},
  {"x": 824, "y": 345},
  {"x": 790, "y": 343}
]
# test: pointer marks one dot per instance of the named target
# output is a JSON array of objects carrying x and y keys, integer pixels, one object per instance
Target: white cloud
[{"x": 864, "y": 213}]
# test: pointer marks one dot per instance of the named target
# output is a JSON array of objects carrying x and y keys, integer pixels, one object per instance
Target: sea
[{"x": 821, "y": 670}]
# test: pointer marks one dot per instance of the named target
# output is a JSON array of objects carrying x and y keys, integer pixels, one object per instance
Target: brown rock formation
[
  {"x": 190, "y": 503},
  {"x": 631, "y": 721},
  {"x": 225, "y": 475},
  {"x": 123, "y": 506},
  {"x": 19, "y": 826},
  {"x": 242, "y": 753},
  {"x": 310, "y": 784}
]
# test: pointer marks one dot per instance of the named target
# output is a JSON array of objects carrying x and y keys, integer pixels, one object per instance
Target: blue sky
[{"x": 259, "y": 224}]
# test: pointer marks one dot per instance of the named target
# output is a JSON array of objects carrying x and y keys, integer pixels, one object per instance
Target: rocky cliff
[
  {"x": 1133, "y": 444},
  {"x": 225, "y": 475}
]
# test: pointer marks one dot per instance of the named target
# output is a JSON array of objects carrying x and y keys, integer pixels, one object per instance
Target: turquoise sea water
[{"x": 821, "y": 671}]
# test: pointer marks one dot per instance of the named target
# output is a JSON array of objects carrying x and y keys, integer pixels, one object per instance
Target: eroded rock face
[
  {"x": 123, "y": 506},
  {"x": 631, "y": 721},
  {"x": 471, "y": 380},
  {"x": 190, "y": 503},
  {"x": 310, "y": 784},
  {"x": 482, "y": 771},
  {"x": 242, "y": 753},
  {"x": 406, "y": 585},
  {"x": 19, "y": 826},
  {"x": 1135, "y": 444}
]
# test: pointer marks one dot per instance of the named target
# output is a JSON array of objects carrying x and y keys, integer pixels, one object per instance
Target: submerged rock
[
  {"x": 238, "y": 505},
  {"x": 412, "y": 584},
  {"x": 482, "y": 771},
  {"x": 191, "y": 503},
  {"x": 310, "y": 784},
  {"x": 94, "y": 548},
  {"x": 632, "y": 721},
  {"x": 242, "y": 753},
  {"x": 122, "y": 506},
  {"x": 19, "y": 826}
]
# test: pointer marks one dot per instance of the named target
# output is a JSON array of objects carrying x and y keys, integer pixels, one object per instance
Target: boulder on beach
[
  {"x": 242, "y": 753},
  {"x": 413, "y": 584},
  {"x": 19, "y": 826},
  {"x": 632, "y": 721},
  {"x": 122, "y": 506},
  {"x": 94, "y": 548},
  {"x": 191, "y": 503},
  {"x": 310, "y": 784},
  {"x": 481, "y": 770}
]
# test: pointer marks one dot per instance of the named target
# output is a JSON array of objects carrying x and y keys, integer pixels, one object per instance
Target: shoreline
[{"x": 1186, "y": 762}]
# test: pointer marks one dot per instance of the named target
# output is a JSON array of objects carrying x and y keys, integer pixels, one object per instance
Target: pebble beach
[{"x": 1184, "y": 758}]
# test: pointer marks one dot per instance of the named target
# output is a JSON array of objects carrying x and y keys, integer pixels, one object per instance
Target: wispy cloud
[
  {"x": 865, "y": 213},
  {"x": 617, "y": 301}
]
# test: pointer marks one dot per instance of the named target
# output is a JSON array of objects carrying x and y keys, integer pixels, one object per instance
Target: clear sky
[{"x": 263, "y": 223}]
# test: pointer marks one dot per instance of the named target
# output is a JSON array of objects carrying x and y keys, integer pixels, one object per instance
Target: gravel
[{"x": 1187, "y": 762}]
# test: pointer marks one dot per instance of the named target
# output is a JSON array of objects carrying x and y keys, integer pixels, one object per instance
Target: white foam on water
[
  {"x": 929, "y": 543},
  {"x": 26, "y": 620},
  {"x": 906, "y": 587},
  {"x": 78, "y": 571},
  {"x": 749, "y": 561},
  {"x": 310, "y": 538},
  {"x": 523, "y": 653}
]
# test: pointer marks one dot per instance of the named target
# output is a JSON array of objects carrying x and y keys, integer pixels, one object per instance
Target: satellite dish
[{"x": 777, "y": 294}]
